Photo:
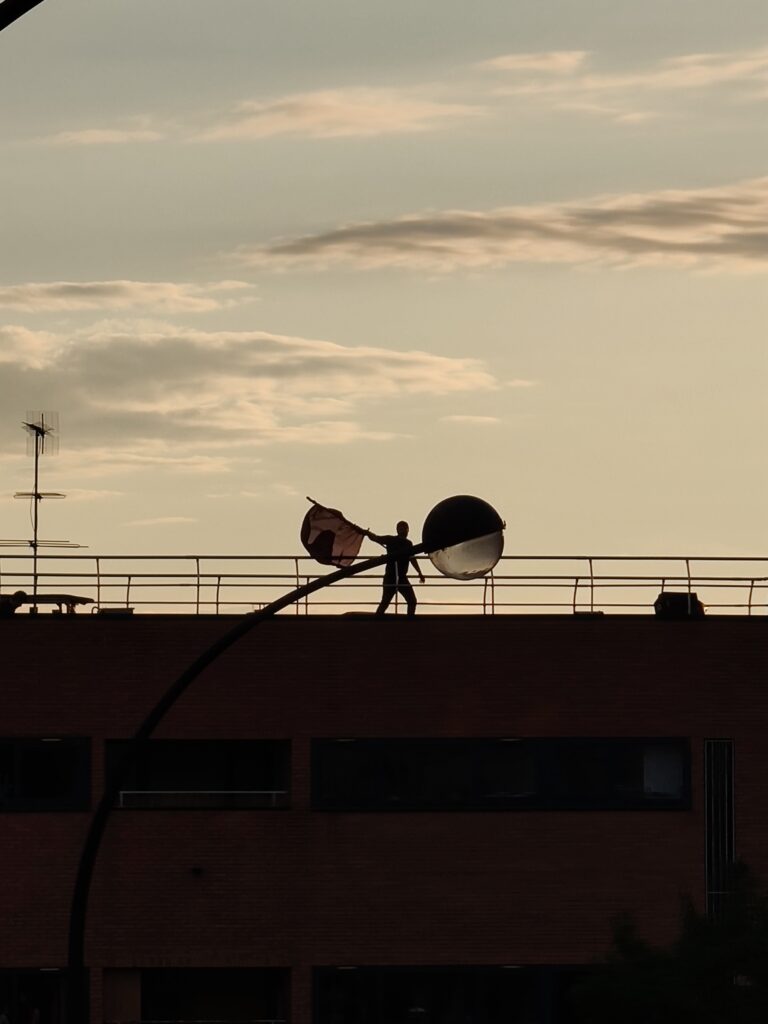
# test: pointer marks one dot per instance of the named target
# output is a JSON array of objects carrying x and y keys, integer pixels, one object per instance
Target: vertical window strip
[{"x": 719, "y": 821}]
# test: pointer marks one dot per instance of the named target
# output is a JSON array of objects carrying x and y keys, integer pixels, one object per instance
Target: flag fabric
[{"x": 329, "y": 537}]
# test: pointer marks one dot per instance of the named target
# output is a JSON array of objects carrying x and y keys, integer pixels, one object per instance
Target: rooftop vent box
[{"x": 672, "y": 605}]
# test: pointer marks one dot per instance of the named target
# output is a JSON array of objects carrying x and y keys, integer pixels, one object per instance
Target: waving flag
[{"x": 329, "y": 537}]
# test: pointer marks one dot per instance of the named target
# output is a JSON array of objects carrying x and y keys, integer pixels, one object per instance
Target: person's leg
[
  {"x": 409, "y": 596},
  {"x": 387, "y": 593}
]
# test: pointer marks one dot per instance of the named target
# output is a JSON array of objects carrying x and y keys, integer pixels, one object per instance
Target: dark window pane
[
  {"x": 663, "y": 771},
  {"x": 594, "y": 770},
  {"x": 47, "y": 770},
  {"x": 427, "y": 995},
  {"x": 44, "y": 775},
  {"x": 615, "y": 773},
  {"x": 415, "y": 774},
  {"x": 506, "y": 770},
  {"x": 31, "y": 996},
  {"x": 214, "y": 994},
  {"x": 7, "y": 773},
  {"x": 497, "y": 774},
  {"x": 204, "y": 773}
]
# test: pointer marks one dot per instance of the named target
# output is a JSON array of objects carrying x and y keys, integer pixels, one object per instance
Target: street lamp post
[
  {"x": 77, "y": 987},
  {"x": 10, "y": 10},
  {"x": 462, "y": 523}
]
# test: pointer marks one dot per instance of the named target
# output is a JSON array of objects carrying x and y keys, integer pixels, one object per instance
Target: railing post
[{"x": 197, "y": 588}]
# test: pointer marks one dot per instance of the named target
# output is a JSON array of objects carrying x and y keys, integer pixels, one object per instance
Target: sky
[{"x": 381, "y": 254}]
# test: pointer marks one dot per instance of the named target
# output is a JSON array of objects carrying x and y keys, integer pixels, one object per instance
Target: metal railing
[{"x": 233, "y": 584}]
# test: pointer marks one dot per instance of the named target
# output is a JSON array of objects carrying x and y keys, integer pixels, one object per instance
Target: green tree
[{"x": 716, "y": 972}]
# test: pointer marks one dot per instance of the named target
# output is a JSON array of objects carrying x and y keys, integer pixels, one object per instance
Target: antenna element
[{"x": 42, "y": 439}]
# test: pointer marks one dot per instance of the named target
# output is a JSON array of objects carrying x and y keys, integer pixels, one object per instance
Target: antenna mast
[{"x": 42, "y": 439}]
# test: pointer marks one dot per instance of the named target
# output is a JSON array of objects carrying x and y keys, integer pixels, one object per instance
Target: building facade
[{"x": 358, "y": 821}]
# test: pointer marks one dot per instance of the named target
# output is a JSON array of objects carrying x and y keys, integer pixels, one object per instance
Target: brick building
[{"x": 348, "y": 821}]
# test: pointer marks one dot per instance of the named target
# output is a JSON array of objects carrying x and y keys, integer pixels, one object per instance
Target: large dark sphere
[
  {"x": 464, "y": 537},
  {"x": 459, "y": 519}
]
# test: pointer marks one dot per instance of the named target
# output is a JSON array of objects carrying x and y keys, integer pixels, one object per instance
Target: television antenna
[{"x": 42, "y": 439}]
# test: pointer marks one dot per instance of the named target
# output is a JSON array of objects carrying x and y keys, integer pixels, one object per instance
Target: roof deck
[{"x": 520, "y": 584}]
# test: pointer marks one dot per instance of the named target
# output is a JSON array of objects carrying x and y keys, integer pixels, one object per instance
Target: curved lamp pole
[
  {"x": 77, "y": 989},
  {"x": 463, "y": 537},
  {"x": 10, "y": 10}
]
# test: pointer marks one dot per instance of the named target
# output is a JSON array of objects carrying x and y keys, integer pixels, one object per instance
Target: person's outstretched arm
[
  {"x": 375, "y": 538},
  {"x": 415, "y": 565}
]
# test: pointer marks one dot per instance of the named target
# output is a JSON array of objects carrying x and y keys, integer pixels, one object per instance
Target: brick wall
[{"x": 296, "y": 887}]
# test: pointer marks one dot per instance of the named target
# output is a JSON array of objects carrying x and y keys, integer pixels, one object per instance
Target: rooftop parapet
[{"x": 520, "y": 584}]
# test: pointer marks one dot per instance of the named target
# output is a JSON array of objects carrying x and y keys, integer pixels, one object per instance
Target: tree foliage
[{"x": 716, "y": 972}]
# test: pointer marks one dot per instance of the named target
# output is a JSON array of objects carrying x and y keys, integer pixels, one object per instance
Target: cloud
[
  {"x": 559, "y": 80},
  {"x": 26, "y": 348},
  {"x": 333, "y": 113},
  {"x": 554, "y": 62},
  {"x": 284, "y": 490},
  {"x": 140, "y": 128},
  {"x": 165, "y": 296},
  {"x": 84, "y": 494},
  {"x": 123, "y": 453},
  {"x": 614, "y": 112},
  {"x": 549, "y": 80},
  {"x": 267, "y": 492},
  {"x": 480, "y": 421},
  {"x": 87, "y": 456},
  {"x": 102, "y": 137},
  {"x": 721, "y": 227},
  {"x": 140, "y": 394},
  {"x": 320, "y": 114},
  {"x": 161, "y": 521},
  {"x": 689, "y": 71}
]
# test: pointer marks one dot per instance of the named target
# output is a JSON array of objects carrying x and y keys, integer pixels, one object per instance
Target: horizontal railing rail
[{"x": 233, "y": 584}]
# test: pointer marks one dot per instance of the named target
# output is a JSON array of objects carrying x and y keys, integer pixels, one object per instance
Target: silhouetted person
[{"x": 399, "y": 551}]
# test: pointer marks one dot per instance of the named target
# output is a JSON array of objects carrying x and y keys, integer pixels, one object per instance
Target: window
[
  {"x": 51, "y": 774},
  {"x": 500, "y": 774},
  {"x": 429, "y": 995},
  {"x": 204, "y": 773},
  {"x": 32, "y": 995},
  {"x": 719, "y": 821},
  {"x": 448, "y": 995},
  {"x": 615, "y": 774},
  {"x": 227, "y": 994}
]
